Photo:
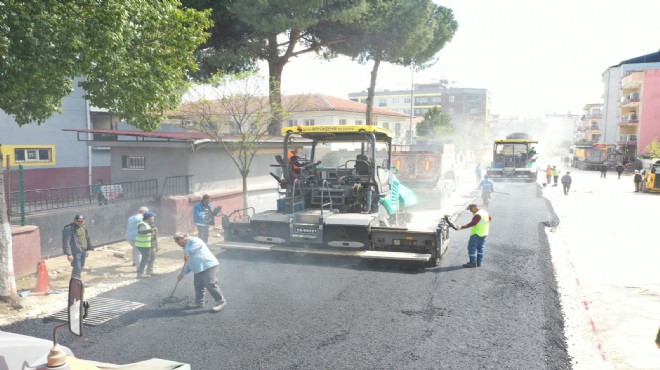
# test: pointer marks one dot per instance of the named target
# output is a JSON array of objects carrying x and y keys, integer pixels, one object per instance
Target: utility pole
[{"x": 412, "y": 99}]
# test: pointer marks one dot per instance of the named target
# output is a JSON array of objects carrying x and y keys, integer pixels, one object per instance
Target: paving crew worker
[
  {"x": 147, "y": 242},
  {"x": 296, "y": 162},
  {"x": 479, "y": 227},
  {"x": 200, "y": 261},
  {"x": 131, "y": 233},
  {"x": 76, "y": 244},
  {"x": 204, "y": 217},
  {"x": 555, "y": 175},
  {"x": 487, "y": 187}
]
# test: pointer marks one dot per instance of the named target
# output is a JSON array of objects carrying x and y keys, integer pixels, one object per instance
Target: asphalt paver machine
[{"x": 349, "y": 203}]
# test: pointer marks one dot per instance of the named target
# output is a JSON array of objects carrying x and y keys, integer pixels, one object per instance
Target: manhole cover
[{"x": 102, "y": 310}]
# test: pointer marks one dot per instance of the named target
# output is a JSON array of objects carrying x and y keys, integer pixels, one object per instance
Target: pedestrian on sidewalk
[
  {"x": 619, "y": 170},
  {"x": 131, "y": 233},
  {"x": 555, "y": 175},
  {"x": 199, "y": 260},
  {"x": 638, "y": 181},
  {"x": 100, "y": 196},
  {"x": 147, "y": 242},
  {"x": 76, "y": 244},
  {"x": 204, "y": 217},
  {"x": 479, "y": 227},
  {"x": 603, "y": 170},
  {"x": 566, "y": 182},
  {"x": 477, "y": 171}
]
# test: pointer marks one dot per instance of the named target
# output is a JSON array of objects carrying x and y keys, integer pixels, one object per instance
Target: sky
[{"x": 535, "y": 57}]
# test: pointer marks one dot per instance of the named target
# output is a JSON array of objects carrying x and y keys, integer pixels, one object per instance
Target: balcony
[
  {"x": 632, "y": 80},
  {"x": 631, "y": 119},
  {"x": 630, "y": 139},
  {"x": 630, "y": 100}
]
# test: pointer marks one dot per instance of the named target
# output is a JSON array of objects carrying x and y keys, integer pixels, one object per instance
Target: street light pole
[{"x": 412, "y": 89}]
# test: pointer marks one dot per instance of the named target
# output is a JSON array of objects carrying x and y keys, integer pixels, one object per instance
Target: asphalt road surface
[{"x": 312, "y": 312}]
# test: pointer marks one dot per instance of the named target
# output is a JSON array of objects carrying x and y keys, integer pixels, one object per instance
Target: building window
[
  {"x": 451, "y": 98},
  {"x": 386, "y": 125},
  {"x": 308, "y": 122},
  {"x": 421, "y": 100},
  {"x": 22, "y": 155},
  {"x": 342, "y": 122},
  {"x": 382, "y": 102},
  {"x": 132, "y": 162},
  {"x": 358, "y": 122},
  {"x": 406, "y": 100},
  {"x": 436, "y": 99},
  {"x": 397, "y": 129},
  {"x": 292, "y": 122},
  {"x": 395, "y": 101},
  {"x": 450, "y": 111}
]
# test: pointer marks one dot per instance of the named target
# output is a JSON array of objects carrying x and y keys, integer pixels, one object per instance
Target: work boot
[
  {"x": 469, "y": 265},
  {"x": 219, "y": 306}
]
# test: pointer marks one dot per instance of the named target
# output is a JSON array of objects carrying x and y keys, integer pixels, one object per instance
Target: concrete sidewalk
[{"x": 606, "y": 254}]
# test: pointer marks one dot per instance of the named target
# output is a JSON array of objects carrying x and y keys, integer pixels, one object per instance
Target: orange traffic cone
[{"x": 43, "y": 283}]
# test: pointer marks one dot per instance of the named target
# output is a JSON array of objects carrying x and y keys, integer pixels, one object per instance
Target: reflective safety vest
[
  {"x": 295, "y": 167},
  {"x": 481, "y": 228},
  {"x": 143, "y": 240}
]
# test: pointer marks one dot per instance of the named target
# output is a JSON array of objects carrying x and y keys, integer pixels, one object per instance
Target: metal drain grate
[{"x": 102, "y": 310}]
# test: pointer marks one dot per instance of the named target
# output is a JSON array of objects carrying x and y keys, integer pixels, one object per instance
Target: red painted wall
[
  {"x": 48, "y": 178},
  {"x": 26, "y": 249},
  {"x": 649, "y": 127},
  {"x": 176, "y": 213}
]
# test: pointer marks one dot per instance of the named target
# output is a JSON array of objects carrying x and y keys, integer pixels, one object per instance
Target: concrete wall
[
  {"x": 105, "y": 224},
  {"x": 25, "y": 249},
  {"x": 211, "y": 168}
]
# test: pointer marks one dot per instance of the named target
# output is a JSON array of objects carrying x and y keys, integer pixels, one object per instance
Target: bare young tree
[{"x": 237, "y": 115}]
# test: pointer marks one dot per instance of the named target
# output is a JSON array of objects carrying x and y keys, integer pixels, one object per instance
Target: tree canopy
[
  {"x": 133, "y": 56},
  {"x": 272, "y": 31},
  {"x": 402, "y": 32},
  {"x": 436, "y": 124}
]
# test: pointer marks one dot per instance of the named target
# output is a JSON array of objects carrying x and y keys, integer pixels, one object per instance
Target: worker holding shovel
[{"x": 199, "y": 260}]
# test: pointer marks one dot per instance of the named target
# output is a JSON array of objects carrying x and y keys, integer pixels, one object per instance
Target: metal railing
[
  {"x": 76, "y": 196},
  {"x": 176, "y": 185}
]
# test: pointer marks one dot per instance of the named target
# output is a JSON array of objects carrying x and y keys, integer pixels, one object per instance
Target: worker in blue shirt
[{"x": 202, "y": 263}]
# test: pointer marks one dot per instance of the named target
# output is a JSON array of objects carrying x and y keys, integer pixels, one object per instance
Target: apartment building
[
  {"x": 463, "y": 105},
  {"x": 639, "y": 111},
  {"x": 588, "y": 127},
  {"x": 612, "y": 98}
]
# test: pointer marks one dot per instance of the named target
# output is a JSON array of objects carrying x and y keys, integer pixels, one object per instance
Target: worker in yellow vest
[
  {"x": 146, "y": 242},
  {"x": 479, "y": 227}
]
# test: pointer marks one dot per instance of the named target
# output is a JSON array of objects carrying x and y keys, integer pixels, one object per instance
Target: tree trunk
[
  {"x": 245, "y": 191},
  {"x": 372, "y": 91},
  {"x": 7, "y": 279},
  {"x": 275, "y": 68}
]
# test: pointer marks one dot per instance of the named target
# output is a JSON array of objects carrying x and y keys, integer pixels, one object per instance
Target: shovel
[{"x": 175, "y": 285}]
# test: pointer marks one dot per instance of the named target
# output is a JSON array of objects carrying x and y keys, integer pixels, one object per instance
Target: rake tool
[{"x": 175, "y": 285}]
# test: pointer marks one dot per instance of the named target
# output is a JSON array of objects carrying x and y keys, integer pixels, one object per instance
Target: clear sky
[{"x": 534, "y": 56}]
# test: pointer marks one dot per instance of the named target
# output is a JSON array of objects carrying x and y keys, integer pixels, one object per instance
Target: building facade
[
  {"x": 463, "y": 105},
  {"x": 639, "y": 111},
  {"x": 612, "y": 97},
  {"x": 51, "y": 158},
  {"x": 588, "y": 127}
]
